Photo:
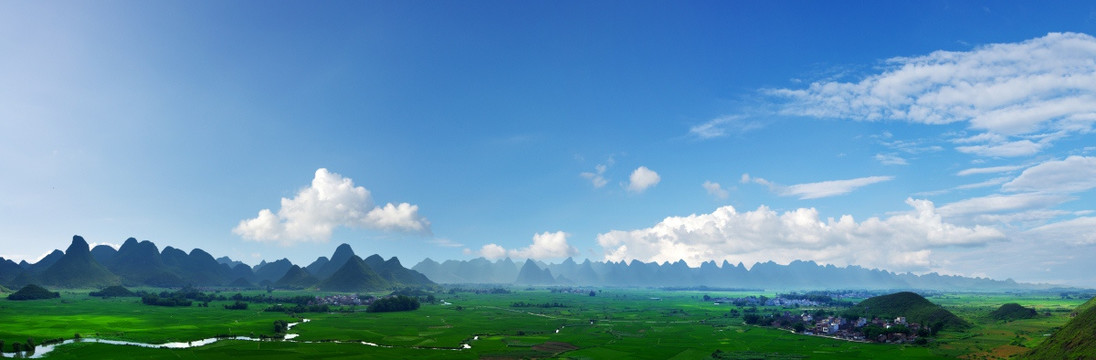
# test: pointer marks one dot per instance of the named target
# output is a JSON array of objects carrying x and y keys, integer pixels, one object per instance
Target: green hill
[
  {"x": 77, "y": 268},
  {"x": 1072, "y": 341},
  {"x": 296, "y": 278},
  {"x": 354, "y": 276},
  {"x": 33, "y": 292},
  {"x": 1013, "y": 311},
  {"x": 911, "y": 305}
]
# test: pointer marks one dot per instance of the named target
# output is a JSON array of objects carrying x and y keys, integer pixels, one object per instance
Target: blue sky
[{"x": 919, "y": 136}]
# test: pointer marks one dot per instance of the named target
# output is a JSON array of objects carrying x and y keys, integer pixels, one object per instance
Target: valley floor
[{"x": 615, "y": 323}]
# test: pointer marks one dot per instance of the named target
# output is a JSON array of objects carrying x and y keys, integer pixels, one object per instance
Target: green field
[{"x": 632, "y": 323}]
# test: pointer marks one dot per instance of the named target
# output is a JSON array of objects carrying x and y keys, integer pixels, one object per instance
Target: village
[{"x": 819, "y": 322}]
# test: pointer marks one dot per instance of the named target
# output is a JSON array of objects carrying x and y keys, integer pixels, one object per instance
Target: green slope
[
  {"x": 911, "y": 305},
  {"x": 296, "y": 278},
  {"x": 354, "y": 276},
  {"x": 1075, "y": 340},
  {"x": 78, "y": 269}
]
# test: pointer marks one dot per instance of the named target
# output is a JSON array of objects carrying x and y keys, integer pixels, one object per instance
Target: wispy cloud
[
  {"x": 890, "y": 159},
  {"x": 819, "y": 189},
  {"x": 723, "y": 126},
  {"x": 989, "y": 170},
  {"x": 1038, "y": 87}
]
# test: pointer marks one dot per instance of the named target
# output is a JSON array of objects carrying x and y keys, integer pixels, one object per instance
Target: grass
[{"x": 615, "y": 323}]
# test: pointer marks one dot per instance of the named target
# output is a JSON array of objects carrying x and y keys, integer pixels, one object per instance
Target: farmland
[{"x": 613, "y": 323}]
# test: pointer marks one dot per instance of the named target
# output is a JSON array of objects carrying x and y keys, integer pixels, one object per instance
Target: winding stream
[{"x": 43, "y": 350}]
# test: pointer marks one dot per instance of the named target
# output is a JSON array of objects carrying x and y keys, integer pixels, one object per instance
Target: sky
[{"x": 911, "y": 136}]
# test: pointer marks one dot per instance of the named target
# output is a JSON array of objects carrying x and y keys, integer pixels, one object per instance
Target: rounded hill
[{"x": 914, "y": 307}]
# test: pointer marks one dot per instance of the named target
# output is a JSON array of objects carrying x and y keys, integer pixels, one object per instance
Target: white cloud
[
  {"x": 642, "y": 179},
  {"x": 820, "y": 189},
  {"x": 902, "y": 241},
  {"x": 969, "y": 209},
  {"x": 1074, "y": 174},
  {"x": 546, "y": 245},
  {"x": 989, "y": 170},
  {"x": 745, "y": 178},
  {"x": 714, "y": 189},
  {"x": 330, "y": 202},
  {"x": 489, "y": 251},
  {"x": 721, "y": 126},
  {"x": 597, "y": 178},
  {"x": 1004, "y": 149},
  {"x": 1076, "y": 231},
  {"x": 890, "y": 159},
  {"x": 1034, "y": 87}
]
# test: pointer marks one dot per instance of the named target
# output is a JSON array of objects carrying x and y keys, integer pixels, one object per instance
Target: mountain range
[
  {"x": 798, "y": 275},
  {"x": 141, "y": 263}
]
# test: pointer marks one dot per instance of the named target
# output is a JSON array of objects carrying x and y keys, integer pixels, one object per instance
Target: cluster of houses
[
  {"x": 342, "y": 300},
  {"x": 764, "y": 301},
  {"x": 895, "y": 331}
]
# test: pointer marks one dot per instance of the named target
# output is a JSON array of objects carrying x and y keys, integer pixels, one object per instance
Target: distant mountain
[
  {"x": 914, "y": 307},
  {"x": 395, "y": 273},
  {"x": 47, "y": 261},
  {"x": 531, "y": 274},
  {"x": 314, "y": 267},
  {"x": 272, "y": 271},
  {"x": 478, "y": 270},
  {"x": 228, "y": 261},
  {"x": 140, "y": 263},
  {"x": 797, "y": 275},
  {"x": 1072, "y": 341},
  {"x": 342, "y": 254},
  {"x": 9, "y": 270},
  {"x": 103, "y": 253},
  {"x": 77, "y": 268},
  {"x": 354, "y": 276},
  {"x": 296, "y": 278}
]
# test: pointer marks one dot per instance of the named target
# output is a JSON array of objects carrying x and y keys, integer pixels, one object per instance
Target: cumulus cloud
[
  {"x": 329, "y": 202},
  {"x": 597, "y": 178},
  {"x": 546, "y": 245},
  {"x": 714, "y": 189},
  {"x": 1036, "y": 87},
  {"x": 722, "y": 126},
  {"x": 642, "y": 179},
  {"x": 1074, "y": 174},
  {"x": 818, "y": 189},
  {"x": 489, "y": 251},
  {"x": 902, "y": 241}
]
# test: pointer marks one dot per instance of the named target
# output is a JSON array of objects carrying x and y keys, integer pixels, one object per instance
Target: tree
[
  {"x": 30, "y": 344},
  {"x": 17, "y": 347},
  {"x": 1, "y": 345},
  {"x": 707, "y": 298},
  {"x": 751, "y": 318},
  {"x": 799, "y": 327},
  {"x": 592, "y": 293}
]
